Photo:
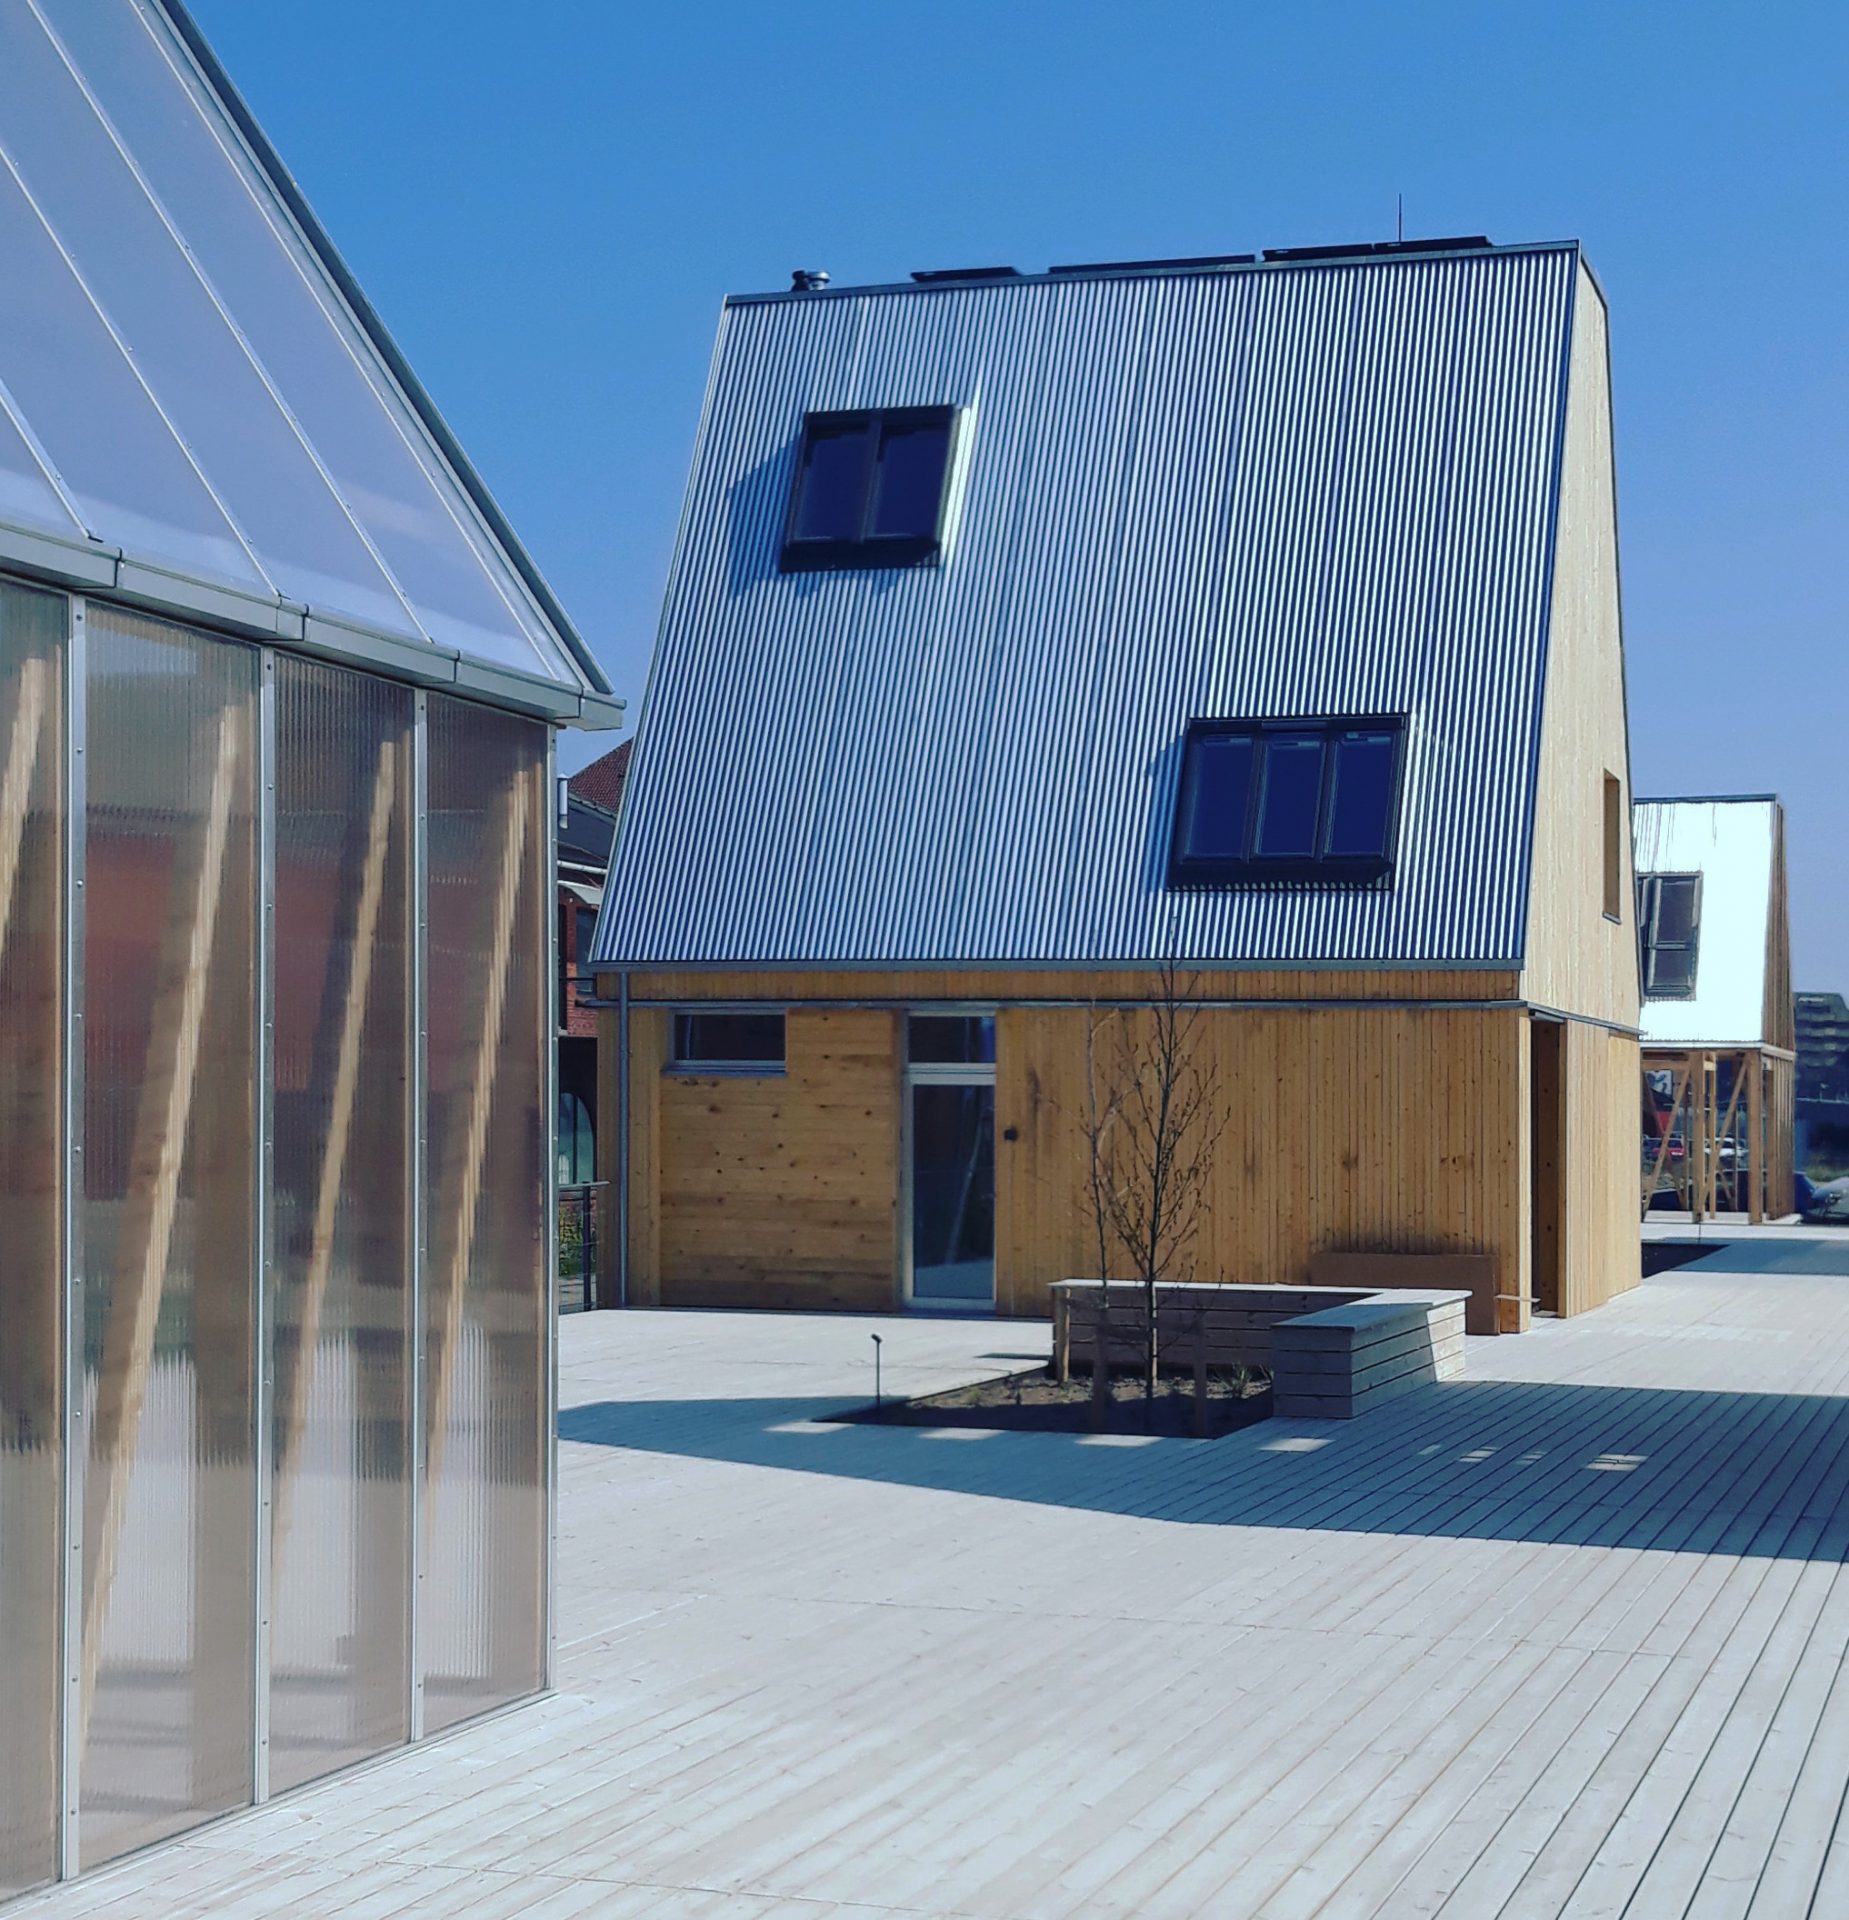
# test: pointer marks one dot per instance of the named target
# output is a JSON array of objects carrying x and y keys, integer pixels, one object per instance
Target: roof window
[
  {"x": 870, "y": 489},
  {"x": 1669, "y": 925},
  {"x": 1313, "y": 801}
]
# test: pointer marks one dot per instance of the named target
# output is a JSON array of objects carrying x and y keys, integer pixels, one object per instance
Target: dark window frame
[
  {"x": 867, "y": 549},
  {"x": 681, "y": 1058},
  {"x": 1649, "y": 907},
  {"x": 1194, "y": 872}
]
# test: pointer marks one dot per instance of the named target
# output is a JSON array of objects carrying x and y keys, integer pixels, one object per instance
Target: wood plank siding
[
  {"x": 771, "y": 1190},
  {"x": 1394, "y": 1128},
  {"x": 1579, "y": 960}
]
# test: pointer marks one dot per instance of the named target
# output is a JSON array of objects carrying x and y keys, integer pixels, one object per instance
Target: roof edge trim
[
  {"x": 375, "y": 330},
  {"x": 1131, "y": 270}
]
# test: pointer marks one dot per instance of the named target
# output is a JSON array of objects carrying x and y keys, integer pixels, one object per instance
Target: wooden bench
[
  {"x": 1471, "y": 1273},
  {"x": 1336, "y": 1363}
]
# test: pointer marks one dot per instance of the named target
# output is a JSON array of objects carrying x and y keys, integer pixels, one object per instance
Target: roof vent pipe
[{"x": 808, "y": 279}]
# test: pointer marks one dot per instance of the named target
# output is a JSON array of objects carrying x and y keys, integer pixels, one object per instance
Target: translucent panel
[
  {"x": 1292, "y": 794},
  {"x": 1219, "y": 796},
  {"x": 169, "y": 1323},
  {"x": 104, "y": 435},
  {"x": 953, "y": 1195},
  {"x": 137, "y": 272},
  {"x": 1361, "y": 794},
  {"x": 364, "y": 435},
  {"x": 27, "y": 497},
  {"x": 341, "y": 1230},
  {"x": 32, "y": 627},
  {"x": 484, "y": 1622}
]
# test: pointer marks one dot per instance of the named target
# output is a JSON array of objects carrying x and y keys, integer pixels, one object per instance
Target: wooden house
[
  {"x": 1718, "y": 1022},
  {"x": 1027, "y": 629}
]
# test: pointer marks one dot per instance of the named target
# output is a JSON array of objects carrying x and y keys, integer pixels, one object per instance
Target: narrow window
[
  {"x": 1218, "y": 796},
  {"x": 1669, "y": 922},
  {"x": 1292, "y": 799},
  {"x": 870, "y": 489},
  {"x": 1361, "y": 793},
  {"x": 729, "y": 1042},
  {"x": 1287, "y": 800},
  {"x": 1614, "y": 848}
]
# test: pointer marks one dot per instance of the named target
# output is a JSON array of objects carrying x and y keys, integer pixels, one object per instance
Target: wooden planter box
[{"x": 1331, "y": 1351}]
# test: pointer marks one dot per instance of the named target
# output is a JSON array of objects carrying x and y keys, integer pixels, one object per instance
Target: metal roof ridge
[{"x": 1153, "y": 270}]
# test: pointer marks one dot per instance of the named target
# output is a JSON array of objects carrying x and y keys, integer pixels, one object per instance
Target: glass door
[{"x": 950, "y": 1161}]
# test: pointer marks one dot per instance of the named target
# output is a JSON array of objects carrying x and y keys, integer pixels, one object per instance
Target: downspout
[{"x": 620, "y": 1211}]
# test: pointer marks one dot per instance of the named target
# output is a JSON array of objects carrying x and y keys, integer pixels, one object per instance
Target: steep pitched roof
[
  {"x": 199, "y": 410},
  {"x": 1732, "y": 842},
  {"x": 1272, "y": 490}
]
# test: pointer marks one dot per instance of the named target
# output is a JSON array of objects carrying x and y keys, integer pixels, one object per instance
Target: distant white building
[{"x": 1719, "y": 1039}]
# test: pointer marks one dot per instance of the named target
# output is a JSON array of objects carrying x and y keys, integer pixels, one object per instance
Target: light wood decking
[{"x": 1565, "y": 1637}]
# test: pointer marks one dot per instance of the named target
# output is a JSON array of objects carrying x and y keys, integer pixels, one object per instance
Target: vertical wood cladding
[
  {"x": 1392, "y": 1129},
  {"x": 1602, "y": 1077},
  {"x": 1399, "y": 1129},
  {"x": 776, "y": 1190}
]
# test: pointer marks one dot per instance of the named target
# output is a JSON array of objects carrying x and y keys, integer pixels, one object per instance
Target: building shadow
[{"x": 1669, "y": 1470}]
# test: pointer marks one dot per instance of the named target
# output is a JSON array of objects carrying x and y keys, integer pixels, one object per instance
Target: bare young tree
[{"x": 1153, "y": 1122}]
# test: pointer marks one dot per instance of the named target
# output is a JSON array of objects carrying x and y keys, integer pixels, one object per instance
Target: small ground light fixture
[{"x": 876, "y": 1371}]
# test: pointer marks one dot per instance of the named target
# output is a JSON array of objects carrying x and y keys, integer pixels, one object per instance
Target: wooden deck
[{"x": 1565, "y": 1637}]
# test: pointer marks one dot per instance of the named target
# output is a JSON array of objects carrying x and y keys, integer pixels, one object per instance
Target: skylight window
[
  {"x": 1669, "y": 925},
  {"x": 870, "y": 489},
  {"x": 1305, "y": 800}
]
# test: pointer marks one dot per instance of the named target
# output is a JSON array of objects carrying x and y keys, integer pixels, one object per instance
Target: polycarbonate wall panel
[
  {"x": 32, "y": 634},
  {"x": 170, "y": 1013},
  {"x": 340, "y": 1275},
  {"x": 483, "y": 1630},
  {"x": 234, "y": 1361}
]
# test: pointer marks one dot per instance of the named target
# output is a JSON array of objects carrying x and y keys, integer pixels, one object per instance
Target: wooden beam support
[
  {"x": 294, "y": 1392},
  {"x": 471, "y": 1139}
]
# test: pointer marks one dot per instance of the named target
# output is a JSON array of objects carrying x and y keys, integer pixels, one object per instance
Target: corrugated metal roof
[
  {"x": 1270, "y": 490},
  {"x": 1731, "y": 843},
  {"x": 192, "y": 385}
]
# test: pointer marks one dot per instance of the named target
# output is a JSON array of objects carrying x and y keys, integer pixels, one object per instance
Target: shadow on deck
[{"x": 1672, "y": 1470}]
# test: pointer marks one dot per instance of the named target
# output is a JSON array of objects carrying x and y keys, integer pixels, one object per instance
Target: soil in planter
[{"x": 1035, "y": 1402}]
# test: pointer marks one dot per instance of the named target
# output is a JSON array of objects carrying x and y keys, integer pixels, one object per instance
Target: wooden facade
[{"x": 1352, "y": 1125}]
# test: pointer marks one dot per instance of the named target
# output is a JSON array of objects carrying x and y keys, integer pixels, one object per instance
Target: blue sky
[{"x": 547, "y": 202}]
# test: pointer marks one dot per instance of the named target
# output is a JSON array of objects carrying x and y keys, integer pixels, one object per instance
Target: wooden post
[
  {"x": 293, "y": 1395},
  {"x": 1200, "y": 1374},
  {"x": 155, "y": 1166},
  {"x": 471, "y": 1150},
  {"x": 1758, "y": 1188},
  {"x": 1725, "y": 1133},
  {"x": 1669, "y": 1127}
]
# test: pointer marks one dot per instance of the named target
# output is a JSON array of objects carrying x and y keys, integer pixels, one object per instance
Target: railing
[{"x": 578, "y": 1207}]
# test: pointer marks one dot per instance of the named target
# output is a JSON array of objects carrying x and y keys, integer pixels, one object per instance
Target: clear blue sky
[{"x": 547, "y": 201}]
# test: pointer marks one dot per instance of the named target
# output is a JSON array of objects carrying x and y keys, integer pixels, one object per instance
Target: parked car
[{"x": 1824, "y": 1205}]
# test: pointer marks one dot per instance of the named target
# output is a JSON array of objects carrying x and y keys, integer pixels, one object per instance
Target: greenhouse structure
[{"x": 278, "y": 696}]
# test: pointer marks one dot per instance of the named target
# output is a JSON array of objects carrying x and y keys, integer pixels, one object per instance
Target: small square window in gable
[{"x": 872, "y": 489}]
